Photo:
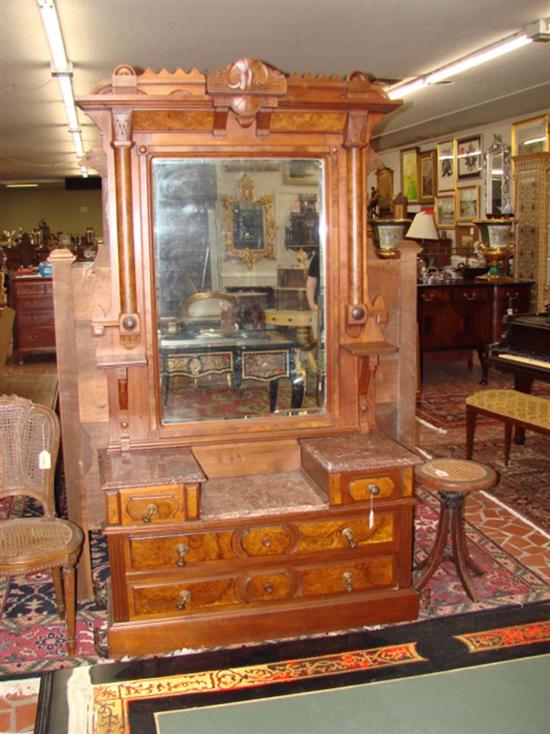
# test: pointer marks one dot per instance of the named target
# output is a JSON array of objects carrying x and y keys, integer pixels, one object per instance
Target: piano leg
[{"x": 522, "y": 383}]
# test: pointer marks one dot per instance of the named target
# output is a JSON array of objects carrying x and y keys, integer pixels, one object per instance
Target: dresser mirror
[
  {"x": 498, "y": 168},
  {"x": 236, "y": 336}
]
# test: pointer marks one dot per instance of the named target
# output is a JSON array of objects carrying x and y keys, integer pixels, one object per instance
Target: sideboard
[{"x": 467, "y": 314}]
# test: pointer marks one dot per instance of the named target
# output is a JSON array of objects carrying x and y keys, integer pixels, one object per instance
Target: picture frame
[
  {"x": 446, "y": 177},
  {"x": 409, "y": 174},
  {"x": 301, "y": 172},
  {"x": 467, "y": 203},
  {"x": 445, "y": 210},
  {"x": 531, "y": 135},
  {"x": 427, "y": 175},
  {"x": 469, "y": 157},
  {"x": 465, "y": 238}
]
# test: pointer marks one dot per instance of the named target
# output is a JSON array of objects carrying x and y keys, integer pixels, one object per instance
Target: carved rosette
[{"x": 250, "y": 89}]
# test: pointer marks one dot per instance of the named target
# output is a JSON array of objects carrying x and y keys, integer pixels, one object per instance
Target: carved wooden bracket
[{"x": 248, "y": 87}]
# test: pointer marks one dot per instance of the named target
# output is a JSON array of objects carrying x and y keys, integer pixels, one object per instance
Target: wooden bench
[{"x": 514, "y": 408}]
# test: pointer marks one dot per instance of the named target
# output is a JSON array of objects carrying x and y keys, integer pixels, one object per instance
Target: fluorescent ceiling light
[
  {"x": 476, "y": 59},
  {"x": 457, "y": 67},
  {"x": 62, "y": 69}
]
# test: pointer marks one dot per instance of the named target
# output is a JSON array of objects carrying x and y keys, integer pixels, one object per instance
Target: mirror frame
[
  {"x": 498, "y": 147},
  {"x": 265, "y": 203}
]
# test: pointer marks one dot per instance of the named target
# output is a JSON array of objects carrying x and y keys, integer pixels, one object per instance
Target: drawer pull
[
  {"x": 347, "y": 533},
  {"x": 181, "y": 550},
  {"x": 427, "y": 297},
  {"x": 469, "y": 296},
  {"x": 152, "y": 509},
  {"x": 266, "y": 541},
  {"x": 268, "y": 588},
  {"x": 347, "y": 578},
  {"x": 374, "y": 490},
  {"x": 183, "y": 598}
]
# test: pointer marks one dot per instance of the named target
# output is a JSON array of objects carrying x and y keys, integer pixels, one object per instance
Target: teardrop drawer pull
[
  {"x": 181, "y": 550},
  {"x": 183, "y": 598},
  {"x": 347, "y": 578},
  {"x": 374, "y": 490},
  {"x": 347, "y": 533},
  {"x": 152, "y": 509}
]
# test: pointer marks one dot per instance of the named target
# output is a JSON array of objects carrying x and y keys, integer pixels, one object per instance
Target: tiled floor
[{"x": 517, "y": 535}]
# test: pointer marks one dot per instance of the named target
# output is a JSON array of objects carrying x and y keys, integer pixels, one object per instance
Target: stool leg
[
  {"x": 471, "y": 415},
  {"x": 70, "y": 601},
  {"x": 434, "y": 559},
  {"x": 58, "y": 586},
  {"x": 460, "y": 553}
]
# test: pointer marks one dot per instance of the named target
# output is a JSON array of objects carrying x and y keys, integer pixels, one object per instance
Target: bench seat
[{"x": 514, "y": 408}]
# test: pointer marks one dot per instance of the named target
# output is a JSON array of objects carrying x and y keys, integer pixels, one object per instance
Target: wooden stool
[{"x": 453, "y": 480}]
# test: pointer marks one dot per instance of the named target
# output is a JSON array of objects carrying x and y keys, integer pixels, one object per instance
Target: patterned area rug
[{"x": 33, "y": 637}]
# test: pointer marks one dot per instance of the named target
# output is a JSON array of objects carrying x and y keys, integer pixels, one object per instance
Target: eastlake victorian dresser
[{"x": 256, "y": 480}]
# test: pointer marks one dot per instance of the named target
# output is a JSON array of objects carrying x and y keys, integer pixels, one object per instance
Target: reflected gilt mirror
[
  {"x": 233, "y": 243},
  {"x": 498, "y": 169}
]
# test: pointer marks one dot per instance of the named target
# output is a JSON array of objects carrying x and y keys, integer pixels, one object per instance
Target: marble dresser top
[
  {"x": 259, "y": 494},
  {"x": 148, "y": 468},
  {"x": 358, "y": 452}
]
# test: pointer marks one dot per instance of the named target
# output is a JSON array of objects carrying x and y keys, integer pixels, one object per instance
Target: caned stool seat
[{"x": 453, "y": 480}]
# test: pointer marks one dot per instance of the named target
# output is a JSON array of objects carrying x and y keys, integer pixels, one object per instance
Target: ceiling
[{"x": 389, "y": 39}]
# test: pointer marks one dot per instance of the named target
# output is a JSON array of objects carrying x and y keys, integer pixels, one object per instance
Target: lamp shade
[{"x": 423, "y": 227}]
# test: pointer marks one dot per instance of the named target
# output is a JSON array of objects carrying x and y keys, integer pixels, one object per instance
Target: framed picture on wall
[
  {"x": 409, "y": 174},
  {"x": 468, "y": 157},
  {"x": 445, "y": 166},
  {"x": 467, "y": 203},
  {"x": 530, "y": 136},
  {"x": 428, "y": 168},
  {"x": 465, "y": 239},
  {"x": 445, "y": 210}
]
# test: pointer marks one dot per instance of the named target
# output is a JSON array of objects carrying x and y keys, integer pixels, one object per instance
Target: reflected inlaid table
[{"x": 249, "y": 355}]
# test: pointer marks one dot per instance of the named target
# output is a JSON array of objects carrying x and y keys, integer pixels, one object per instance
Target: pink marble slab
[
  {"x": 148, "y": 467},
  {"x": 357, "y": 452},
  {"x": 259, "y": 494}
]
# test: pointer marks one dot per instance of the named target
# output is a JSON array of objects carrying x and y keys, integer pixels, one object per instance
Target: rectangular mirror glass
[{"x": 239, "y": 275}]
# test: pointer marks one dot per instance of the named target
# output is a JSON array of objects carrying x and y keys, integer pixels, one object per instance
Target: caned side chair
[{"x": 29, "y": 445}]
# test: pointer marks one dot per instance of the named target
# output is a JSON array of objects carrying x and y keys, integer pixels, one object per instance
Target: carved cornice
[{"x": 248, "y": 87}]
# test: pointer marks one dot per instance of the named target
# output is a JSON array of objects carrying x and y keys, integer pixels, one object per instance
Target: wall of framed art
[{"x": 459, "y": 176}]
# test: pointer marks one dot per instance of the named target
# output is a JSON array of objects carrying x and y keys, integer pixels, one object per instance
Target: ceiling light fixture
[
  {"x": 62, "y": 69},
  {"x": 538, "y": 31}
]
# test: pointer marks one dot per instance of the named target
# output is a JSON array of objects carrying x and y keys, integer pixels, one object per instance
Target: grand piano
[{"x": 524, "y": 349}]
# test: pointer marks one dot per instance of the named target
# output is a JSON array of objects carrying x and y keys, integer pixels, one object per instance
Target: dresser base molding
[{"x": 258, "y": 625}]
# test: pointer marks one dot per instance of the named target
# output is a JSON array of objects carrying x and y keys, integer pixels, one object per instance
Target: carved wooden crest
[{"x": 249, "y": 88}]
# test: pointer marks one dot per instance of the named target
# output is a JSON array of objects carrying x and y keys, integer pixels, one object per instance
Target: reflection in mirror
[
  {"x": 497, "y": 164},
  {"x": 239, "y": 270}
]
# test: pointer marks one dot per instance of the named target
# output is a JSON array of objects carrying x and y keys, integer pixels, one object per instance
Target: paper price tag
[{"x": 44, "y": 460}]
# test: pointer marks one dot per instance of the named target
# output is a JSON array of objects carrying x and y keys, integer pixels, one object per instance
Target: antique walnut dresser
[{"x": 254, "y": 481}]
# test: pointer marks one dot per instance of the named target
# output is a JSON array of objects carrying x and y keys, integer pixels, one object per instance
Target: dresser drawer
[
  {"x": 36, "y": 337},
  {"x": 180, "y": 550},
  {"x": 150, "y": 599},
  {"x": 35, "y": 287},
  {"x": 466, "y": 295},
  {"x": 151, "y": 506},
  {"x": 32, "y": 318},
  {"x": 434, "y": 295},
  {"x": 36, "y": 302}
]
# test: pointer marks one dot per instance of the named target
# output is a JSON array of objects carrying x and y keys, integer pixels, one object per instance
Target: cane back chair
[{"x": 32, "y": 544}]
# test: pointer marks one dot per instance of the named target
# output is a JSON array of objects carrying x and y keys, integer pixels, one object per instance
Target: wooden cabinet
[
  {"x": 339, "y": 539},
  {"x": 467, "y": 315},
  {"x": 532, "y": 214},
  {"x": 32, "y": 299}
]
